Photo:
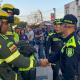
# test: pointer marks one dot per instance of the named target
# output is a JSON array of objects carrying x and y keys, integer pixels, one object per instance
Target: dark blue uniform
[
  {"x": 69, "y": 56},
  {"x": 55, "y": 43}
]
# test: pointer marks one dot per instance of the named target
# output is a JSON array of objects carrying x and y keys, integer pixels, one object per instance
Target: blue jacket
[
  {"x": 69, "y": 57},
  {"x": 54, "y": 43}
]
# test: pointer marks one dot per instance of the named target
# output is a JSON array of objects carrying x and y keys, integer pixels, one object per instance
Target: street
[{"x": 44, "y": 73}]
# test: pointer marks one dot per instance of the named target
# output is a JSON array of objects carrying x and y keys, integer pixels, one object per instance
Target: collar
[{"x": 68, "y": 37}]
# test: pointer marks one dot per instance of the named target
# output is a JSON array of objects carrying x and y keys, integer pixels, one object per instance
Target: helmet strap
[{"x": 0, "y": 26}]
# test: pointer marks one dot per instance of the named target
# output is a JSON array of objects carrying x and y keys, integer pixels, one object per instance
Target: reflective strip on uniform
[
  {"x": 50, "y": 34},
  {"x": 31, "y": 61},
  {"x": 1, "y": 61},
  {"x": 31, "y": 65},
  {"x": 16, "y": 76},
  {"x": 56, "y": 39},
  {"x": 16, "y": 37},
  {"x": 12, "y": 57},
  {"x": 9, "y": 33}
]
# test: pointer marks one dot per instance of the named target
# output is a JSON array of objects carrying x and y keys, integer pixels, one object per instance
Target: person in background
[
  {"x": 30, "y": 36},
  {"x": 39, "y": 42},
  {"x": 23, "y": 36},
  {"x": 16, "y": 34}
]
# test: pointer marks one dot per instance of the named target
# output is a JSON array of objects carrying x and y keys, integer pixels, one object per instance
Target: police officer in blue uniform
[
  {"x": 69, "y": 54},
  {"x": 55, "y": 44}
]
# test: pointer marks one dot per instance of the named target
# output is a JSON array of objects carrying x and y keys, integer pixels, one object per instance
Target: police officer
[
  {"x": 55, "y": 43},
  {"x": 9, "y": 54},
  {"x": 70, "y": 55}
]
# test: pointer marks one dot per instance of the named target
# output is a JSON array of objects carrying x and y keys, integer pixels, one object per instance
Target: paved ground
[{"x": 44, "y": 73}]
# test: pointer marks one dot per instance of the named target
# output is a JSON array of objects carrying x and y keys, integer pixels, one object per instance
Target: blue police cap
[{"x": 70, "y": 19}]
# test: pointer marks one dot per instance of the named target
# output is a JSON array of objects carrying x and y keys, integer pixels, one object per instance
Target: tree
[{"x": 22, "y": 24}]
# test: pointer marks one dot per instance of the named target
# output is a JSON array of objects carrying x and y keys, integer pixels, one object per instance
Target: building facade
[{"x": 73, "y": 8}]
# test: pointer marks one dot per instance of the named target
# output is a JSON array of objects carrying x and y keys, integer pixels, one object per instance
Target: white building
[{"x": 73, "y": 8}]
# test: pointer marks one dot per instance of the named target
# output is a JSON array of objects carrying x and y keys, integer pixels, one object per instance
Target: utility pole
[
  {"x": 54, "y": 9},
  {"x": 41, "y": 15}
]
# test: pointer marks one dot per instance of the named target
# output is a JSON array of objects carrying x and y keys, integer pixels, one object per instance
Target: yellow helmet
[
  {"x": 3, "y": 14},
  {"x": 10, "y": 8},
  {"x": 5, "y": 17}
]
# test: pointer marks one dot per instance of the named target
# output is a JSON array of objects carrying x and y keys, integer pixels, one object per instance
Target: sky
[{"x": 46, "y": 6}]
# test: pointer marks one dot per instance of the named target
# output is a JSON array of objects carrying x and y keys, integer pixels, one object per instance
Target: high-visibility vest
[
  {"x": 32, "y": 59},
  {"x": 11, "y": 48}
]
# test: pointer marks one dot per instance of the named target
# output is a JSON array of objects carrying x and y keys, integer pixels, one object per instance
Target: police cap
[
  {"x": 70, "y": 19},
  {"x": 57, "y": 21}
]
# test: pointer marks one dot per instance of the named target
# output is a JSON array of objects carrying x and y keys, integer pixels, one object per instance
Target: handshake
[{"x": 44, "y": 62}]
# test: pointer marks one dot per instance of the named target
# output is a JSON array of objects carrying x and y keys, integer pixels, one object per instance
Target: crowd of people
[{"x": 23, "y": 49}]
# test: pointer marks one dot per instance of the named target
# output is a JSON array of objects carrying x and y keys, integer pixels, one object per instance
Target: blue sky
[{"x": 46, "y": 6}]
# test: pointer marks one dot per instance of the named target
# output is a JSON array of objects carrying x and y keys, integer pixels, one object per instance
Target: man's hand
[{"x": 44, "y": 62}]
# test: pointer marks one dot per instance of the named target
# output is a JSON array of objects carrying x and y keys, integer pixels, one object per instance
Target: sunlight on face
[
  {"x": 57, "y": 28},
  {"x": 4, "y": 27}
]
